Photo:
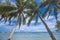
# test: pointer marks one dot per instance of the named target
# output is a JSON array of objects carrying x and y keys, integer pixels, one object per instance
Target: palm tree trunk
[
  {"x": 12, "y": 32},
  {"x": 50, "y": 33},
  {"x": 13, "y": 29}
]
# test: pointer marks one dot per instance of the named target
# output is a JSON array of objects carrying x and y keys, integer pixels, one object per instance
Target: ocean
[{"x": 30, "y": 36}]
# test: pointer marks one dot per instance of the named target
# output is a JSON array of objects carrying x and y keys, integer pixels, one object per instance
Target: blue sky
[{"x": 32, "y": 28}]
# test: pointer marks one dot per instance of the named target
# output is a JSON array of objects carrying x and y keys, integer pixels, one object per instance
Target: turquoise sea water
[{"x": 29, "y": 36}]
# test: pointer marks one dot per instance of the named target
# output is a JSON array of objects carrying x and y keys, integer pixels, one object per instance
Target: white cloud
[
  {"x": 50, "y": 22},
  {"x": 33, "y": 28}
]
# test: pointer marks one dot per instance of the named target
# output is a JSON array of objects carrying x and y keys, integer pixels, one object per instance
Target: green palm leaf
[
  {"x": 45, "y": 13},
  {"x": 50, "y": 12},
  {"x": 43, "y": 4},
  {"x": 58, "y": 4},
  {"x": 23, "y": 19},
  {"x": 36, "y": 19},
  {"x": 19, "y": 21},
  {"x": 31, "y": 18},
  {"x": 57, "y": 25},
  {"x": 7, "y": 8},
  {"x": 55, "y": 13}
]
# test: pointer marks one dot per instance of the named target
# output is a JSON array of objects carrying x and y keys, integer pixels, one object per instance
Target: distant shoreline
[{"x": 27, "y": 32}]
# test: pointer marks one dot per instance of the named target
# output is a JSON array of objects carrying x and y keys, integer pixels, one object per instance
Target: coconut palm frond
[
  {"x": 58, "y": 4},
  {"x": 23, "y": 19},
  {"x": 17, "y": 2},
  {"x": 57, "y": 25},
  {"x": 9, "y": 20},
  {"x": 50, "y": 12},
  {"x": 36, "y": 19},
  {"x": 7, "y": 8},
  {"x": 4, "y": 15},
  {"x": 45, "y": 13},
  {"x": 52, "y": 4},
  {"x": 13, "y": 14},
  {"x": 43, "y": 4},
  {"x": 55, "y": 13},
  {"x": 31, "y": 18},
  {"x": 8, "y": 2},
  {"x": 5, "y": 19},
  {"x": 34, "y": 4},
  {"x": 10, "y": 16},
  {"x": 31, "y": 5},
  {"x": 19, "y": 21}
]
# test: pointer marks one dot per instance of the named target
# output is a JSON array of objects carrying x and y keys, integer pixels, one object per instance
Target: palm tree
[
  {"x": 36, "y": 13},
  {"x": 33, "y": 11},
  {"x": 57, "y": 25},
  {"x": 51, "y": 6},
  {"x": 19, "y": 11}
]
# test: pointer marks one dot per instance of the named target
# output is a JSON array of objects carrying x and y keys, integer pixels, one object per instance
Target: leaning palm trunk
[
  {"x": 50, "y": 33},
  {"x": 10, "y": 36},
  {"x": 12, "y": 32},
  {"x": 13, "y": 29}
]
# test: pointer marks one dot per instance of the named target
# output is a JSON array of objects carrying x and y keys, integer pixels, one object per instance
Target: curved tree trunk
[
  {"x": 12, "y": 32},
  {"x": 50, "y": 33},
  {"x": 13, "y": 29}
]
